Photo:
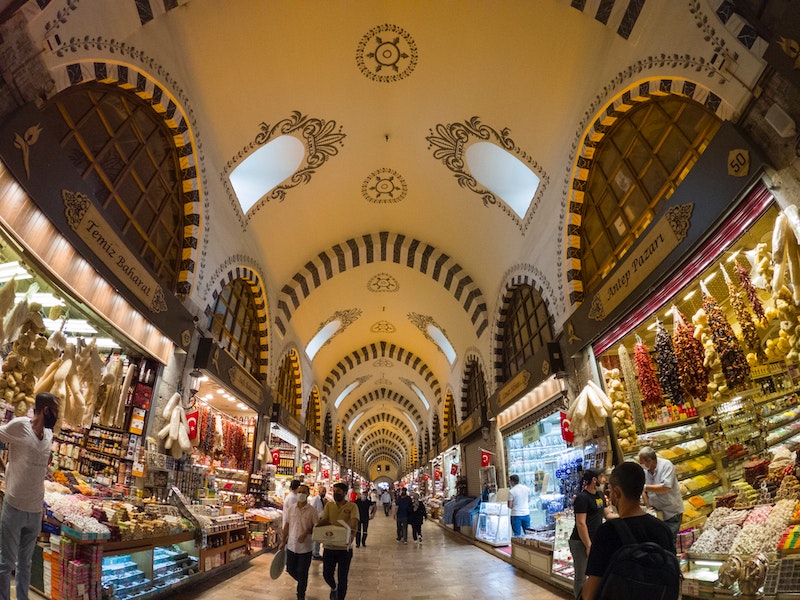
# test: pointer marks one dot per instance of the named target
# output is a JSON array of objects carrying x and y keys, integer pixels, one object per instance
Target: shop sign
[
  {"x": 223, "y": 367},
  {"x": 245, "y": 384},
  {"x": 655, "y": 247},
  {"x": 530, "y": 435},
  {"x": 515, "y": 386},
  {"x": 470, "y": 424},
  {"x": 86, "y": 221}
]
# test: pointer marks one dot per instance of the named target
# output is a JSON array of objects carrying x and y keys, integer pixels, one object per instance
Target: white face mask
[{"x": 302, "y": 497}]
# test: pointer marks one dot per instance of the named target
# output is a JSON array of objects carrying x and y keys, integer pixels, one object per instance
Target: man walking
[
  {"x": 318, "y": 501},
  {"x": 29, "y": 442},
  {"x": 366, "y": 510},
  {"x": 298, "y": 524},
  {"x": 402, "y": 508},
  {"x": 518, "y": 497},
  {"x": 335, "y": 558}
]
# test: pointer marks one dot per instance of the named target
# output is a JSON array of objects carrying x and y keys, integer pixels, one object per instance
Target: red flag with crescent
[{"x": 276, "y": 456}]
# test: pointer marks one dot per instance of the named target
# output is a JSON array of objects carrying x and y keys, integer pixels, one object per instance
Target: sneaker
[
  {"x": 333, "y": 594},
  {"x": 405, "y": 541}
]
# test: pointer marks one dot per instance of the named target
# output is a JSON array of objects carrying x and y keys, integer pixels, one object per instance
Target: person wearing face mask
[
  {"x": 366, "y": 510},
  {"x": 590, "y": 508},
  {"x": 298, "y": 523},
  {"x": 29, "y": 441},
  {"x": 340, "y": 512}
]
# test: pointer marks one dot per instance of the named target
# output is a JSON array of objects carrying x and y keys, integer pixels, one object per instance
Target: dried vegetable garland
[
  {"x": 668, "y": 373},
  {"x": 752, "y": 294},
  {"x": 732, "y": 358},
  {"x": 631, "y": 389},
  {"x": 690, "y": 355},
  {"x": 652, "y": 395},
  {"x": 750, "y": 337}
]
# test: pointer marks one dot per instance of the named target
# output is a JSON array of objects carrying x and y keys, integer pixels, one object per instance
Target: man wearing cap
[
  {"x": 590, "y": 509},
  {"x": 343, "y": 513}
]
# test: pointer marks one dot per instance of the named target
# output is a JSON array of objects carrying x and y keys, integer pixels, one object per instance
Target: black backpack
[{"x": 640, "y": 570}]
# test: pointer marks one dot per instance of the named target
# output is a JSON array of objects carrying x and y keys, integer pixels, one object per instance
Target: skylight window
[
  {"x": 443, "y": 343},
  {"x": 353, "y": 422},
  {"x": 504, "y": 175},
  {"x": 323, "y": 336},
  {"x": 265, "y": 168},
  {"x": 419, "y": 393},
  {"x": 346, "y": 391}
]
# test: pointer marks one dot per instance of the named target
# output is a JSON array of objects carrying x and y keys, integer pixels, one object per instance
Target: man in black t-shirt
[
  {"x": 626, "y": 483},
  {"x": 590, "y": 508},
  {"x": 366, "y": 510}
]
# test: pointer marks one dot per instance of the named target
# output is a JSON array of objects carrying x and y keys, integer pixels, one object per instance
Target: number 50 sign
[{"x": 738, "y": 163}]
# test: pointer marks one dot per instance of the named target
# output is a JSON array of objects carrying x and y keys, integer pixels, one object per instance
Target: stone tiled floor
[{"x": 445, "y": 567}]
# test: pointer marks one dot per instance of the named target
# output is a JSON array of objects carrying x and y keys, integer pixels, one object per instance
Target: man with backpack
[{"x": 632, "y": 556}]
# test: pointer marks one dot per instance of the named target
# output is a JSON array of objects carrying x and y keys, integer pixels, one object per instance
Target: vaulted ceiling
[{"x": 383, "y": 226}]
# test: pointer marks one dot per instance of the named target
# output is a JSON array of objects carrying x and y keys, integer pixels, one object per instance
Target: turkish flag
[
  {"x": 454, "y": 469},
  {"x": 437, "y": 474},
  {"x": 276, "y": 456},
  {"x": 191, "y": 420},
  {"x": 326, "y": 474},
  {"x": 566, "y": 433},
  {"x": 486, "y": 458},
  {"x": 307, "y": 467}
]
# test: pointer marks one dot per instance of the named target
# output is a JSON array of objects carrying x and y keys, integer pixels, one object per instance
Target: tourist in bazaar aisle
[
  {"x": 416, "y": 515},
  {"x": 518, "y": 498},
  {"x": 366, "y": 510},
  {"x": 30, "y": 441},
  {"x": 291, "y": 497},
  {"x": 402, "y": 506},
  {"x": 662, "y": 490},
  {"x": 590, "y": 509},
  {"x": 335, "y": 558},
  {"x": 298, "y": 524},
  {"x": 318, "y": 501},
  {"x": 626, "y": 486},
  {"x": 386, "y": 500}
]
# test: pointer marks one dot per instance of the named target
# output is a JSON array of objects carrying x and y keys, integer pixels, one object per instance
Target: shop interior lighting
[
  {"x": 241, "y": 406},
  {"x": 46, "y": 299},
  {"x": 71, "y": 326},
  {"x": 710, "y": 277},
  {"x": 733, "y": 256},
  {"x": 104, "y": 343},
  {"x": 13, "y": 270},
  {"x": 689, "y": 296},
  {"x": 230, "y": 399}
]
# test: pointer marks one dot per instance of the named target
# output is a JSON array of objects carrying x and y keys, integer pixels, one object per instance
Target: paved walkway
[{"x": 444, "y": 567}]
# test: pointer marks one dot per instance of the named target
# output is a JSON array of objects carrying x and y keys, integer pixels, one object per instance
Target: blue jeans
[
  {"x": 519, "y": 523},
  {"x": 18, "y": 533}
]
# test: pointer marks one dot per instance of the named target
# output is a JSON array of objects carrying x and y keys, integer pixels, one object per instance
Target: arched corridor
[{"x": 444, "y": 567}]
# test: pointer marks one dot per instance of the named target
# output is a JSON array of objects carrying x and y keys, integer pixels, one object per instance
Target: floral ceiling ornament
[
  {"x": 421, "y": 322},
  {"x": 345, "y": 317},
  {"x": 383, "y": 363},
  {"x": 449, "y": 143},
  {"x": 383, "y": 282},
  {"x": 384, "y": 186},
  {"x": 387, "y": 53},
  {"x": 383, "y": 327}
]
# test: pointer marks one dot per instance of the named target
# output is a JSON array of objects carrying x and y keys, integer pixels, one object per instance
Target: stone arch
[
  {"x": 471, "y": 360},
  {"x": 383, "y": 247},
  {"x": 365, "y": 401},
  {"x": 259, "y": 294},
  {"x": 378, "y": 420},
  {"x": 449, "y": 412},
  {"x": 313, "y": 411},
  {"x": 133, "y": 80},
  {"x": 291, "y": 361},
  {"x": 635, "y": 94},
  {"x": 380, "y": 350}
]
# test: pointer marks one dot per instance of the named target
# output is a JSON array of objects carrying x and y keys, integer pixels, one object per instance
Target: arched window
[
  {"x": 437, "y": 430},
  {"x": 474, "y": 388},
  {"x": 327, "y": 434},
  {"x": 233, "y": 323},
  {"x": 312, "y": 412},
  {"x": 286, "y": 388},
  {"x": 638, "y": 163},
  {"x": 450, "y": 417},
  {"x": 526, "y": 330},
  {"x": 125, "y": 152}
]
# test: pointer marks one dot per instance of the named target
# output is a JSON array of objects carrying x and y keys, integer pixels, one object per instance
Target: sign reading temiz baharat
[{"x": 92, "y": 228}]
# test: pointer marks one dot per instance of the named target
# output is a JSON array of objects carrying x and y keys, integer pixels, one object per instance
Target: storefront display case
[{"x": 494, "y": 524}]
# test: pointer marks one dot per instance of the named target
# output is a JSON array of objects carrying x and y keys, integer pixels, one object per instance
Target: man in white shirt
[
  {"x": 29, "y": 443},
  {"x": 518, "y": 497},
  {"x": 661, "y": 489},
  {"x": 291, "y": 497},
  {"x": 298, "y": 524}
]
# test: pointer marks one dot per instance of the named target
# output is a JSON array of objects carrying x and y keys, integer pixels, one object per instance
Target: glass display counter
[
  {"x": 494, "y": 524},
  {"x": 563, "y": 567}
]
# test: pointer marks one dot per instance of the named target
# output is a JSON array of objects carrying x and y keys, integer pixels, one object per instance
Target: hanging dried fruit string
[
  {"x": 668, "y": 373},
  {"x": 752, "y": 294},
  {"x": 690, "y": 355},
  {"x": 631, "y": 389},
  {"x": 732, "y": 358},
  {"x": 652, "y": 395},
  {"x": 750, "y": 337}
]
